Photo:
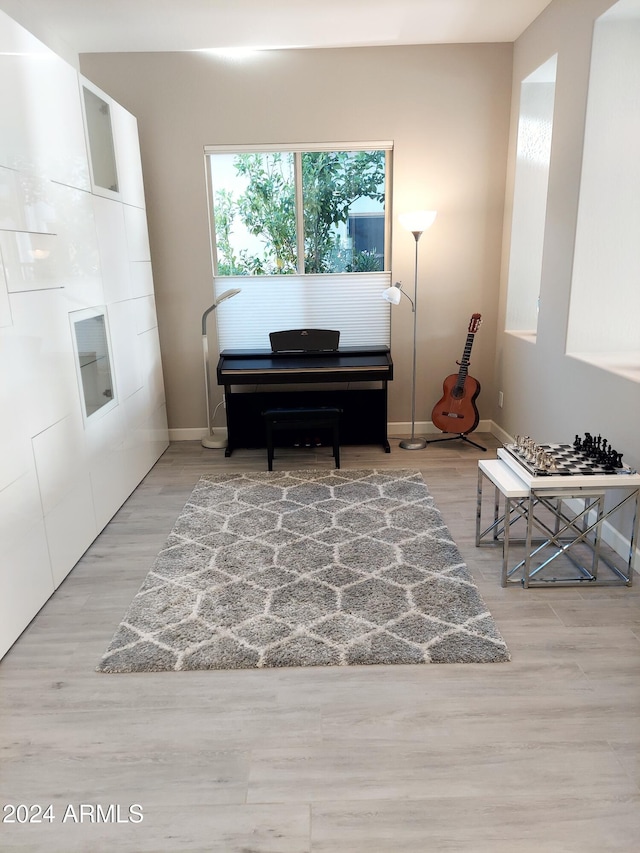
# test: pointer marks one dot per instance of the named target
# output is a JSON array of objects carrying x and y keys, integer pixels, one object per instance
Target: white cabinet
[
  {"x": 81, "y": 388},
  {"x": 125, "y": 128},
  {"x": 113, "y": 146},
  {"x": 41, "y": 118},
  {"x": 112, "y": 243},
  {"x": 5, "y": 307}
]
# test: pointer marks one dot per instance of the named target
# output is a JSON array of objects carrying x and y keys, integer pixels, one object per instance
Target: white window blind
[{"x": 351, "y": 303}]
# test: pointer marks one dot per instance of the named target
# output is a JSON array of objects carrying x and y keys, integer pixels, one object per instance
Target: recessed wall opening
[
  {"x": 533, "y": 155},
  {"x": 604, "y": 324}
]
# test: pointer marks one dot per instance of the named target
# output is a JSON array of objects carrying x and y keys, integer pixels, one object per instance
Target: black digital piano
[{"x": 353, "y": 379}]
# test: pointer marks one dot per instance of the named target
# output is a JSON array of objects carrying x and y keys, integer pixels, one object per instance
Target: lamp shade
[
  {"x": 417, "y": 220},
  {"x": 392, "y": 294},
  {"x": 226, "y": 295}
]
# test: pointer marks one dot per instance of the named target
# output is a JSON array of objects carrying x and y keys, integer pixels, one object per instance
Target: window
[
  {"x": 336, "y": 187},
  {"x": 299, "y": 212},
  {"x": 605, "y": 297},
  {"x": 305, "y": 232},
  {"x": 533, "y": 157}
]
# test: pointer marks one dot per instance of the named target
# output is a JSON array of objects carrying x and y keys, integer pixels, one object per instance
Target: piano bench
[{"x": 303, "y": 418}]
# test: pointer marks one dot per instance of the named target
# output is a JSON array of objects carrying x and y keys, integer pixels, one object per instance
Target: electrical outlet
[{"x": 500, "y": 399}]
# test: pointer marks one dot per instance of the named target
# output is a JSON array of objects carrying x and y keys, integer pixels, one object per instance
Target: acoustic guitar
[{"x": 456, "y": 411}]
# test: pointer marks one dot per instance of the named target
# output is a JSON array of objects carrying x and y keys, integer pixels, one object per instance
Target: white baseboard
[
  {"x": 427, "y": 428},
  {"x": 195, "y": 434},
  {"x": 499, "y": 433},
  {"x": 399, "y": 427}
]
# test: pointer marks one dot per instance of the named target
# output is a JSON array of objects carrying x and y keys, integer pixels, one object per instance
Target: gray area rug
[{"x": 306, "y": 568}]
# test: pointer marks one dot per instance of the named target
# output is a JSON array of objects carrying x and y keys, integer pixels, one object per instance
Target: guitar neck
[
  {"x": 466, "y": 355},
  {"x": 464, "y": 362}
]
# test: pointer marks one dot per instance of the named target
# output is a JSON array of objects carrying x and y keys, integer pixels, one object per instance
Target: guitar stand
[{"x": 461, "y": 437}]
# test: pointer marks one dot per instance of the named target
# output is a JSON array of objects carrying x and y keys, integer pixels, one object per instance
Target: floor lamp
[
  {"x": 417, "y": 223},
  {"x": 209, "y": 440}
]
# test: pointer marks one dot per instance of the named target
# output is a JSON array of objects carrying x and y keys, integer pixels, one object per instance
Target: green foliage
[
  {"x": 267, "y": 208},
  {"x": 365, "y": 262},
  {"x": 224, "y": 207},
  {"x": 331, "y": 182}
]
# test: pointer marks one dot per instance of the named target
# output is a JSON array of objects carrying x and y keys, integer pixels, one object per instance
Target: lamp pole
[
  {"x": 209, "y": 440},
  {"x": 417, "y": 223},
  {"x": 414, "y": 443}
]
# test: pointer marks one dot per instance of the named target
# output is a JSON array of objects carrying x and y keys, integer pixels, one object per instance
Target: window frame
[{"x": 297, "y": 149}]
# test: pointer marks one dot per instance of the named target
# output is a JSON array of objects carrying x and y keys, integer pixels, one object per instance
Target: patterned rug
[{"x": 306, "y": 568}]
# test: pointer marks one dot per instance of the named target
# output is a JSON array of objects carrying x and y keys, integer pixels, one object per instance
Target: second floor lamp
[
  {"x": 209, "y": 440},
  {"x": 416, "y": 222}
]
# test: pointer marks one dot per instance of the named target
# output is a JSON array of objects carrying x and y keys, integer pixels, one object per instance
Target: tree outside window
[{"x": 261, "y": 230}]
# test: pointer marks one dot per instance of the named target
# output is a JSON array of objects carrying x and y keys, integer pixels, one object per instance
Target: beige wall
[
  {"x": 547, "y": 394},
  {"x": 445, "y": 107}
]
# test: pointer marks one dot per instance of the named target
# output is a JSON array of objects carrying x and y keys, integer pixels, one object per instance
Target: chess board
[{"x": 567, "y": 459}]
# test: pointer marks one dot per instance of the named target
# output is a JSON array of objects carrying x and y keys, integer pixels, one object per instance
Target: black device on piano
[
  {"x": 306, "y": 367},
  {"x": 305, "y": 340}
]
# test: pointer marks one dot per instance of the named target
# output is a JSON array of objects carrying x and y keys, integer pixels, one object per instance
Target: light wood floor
[{"x": 539, "y": 755}]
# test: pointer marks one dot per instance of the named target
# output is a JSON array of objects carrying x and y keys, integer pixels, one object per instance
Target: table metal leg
[
  {"x": 505, "y": 541},
  {"x": 479, "y": 506}
]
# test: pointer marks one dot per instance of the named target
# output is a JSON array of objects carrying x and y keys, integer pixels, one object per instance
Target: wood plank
[{"x": 537, "y": 754}]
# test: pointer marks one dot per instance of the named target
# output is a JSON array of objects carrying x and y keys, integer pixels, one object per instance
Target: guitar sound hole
[{"x": 457, "y": 393}]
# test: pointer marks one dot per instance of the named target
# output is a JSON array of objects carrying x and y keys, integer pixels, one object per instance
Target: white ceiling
[{"x": 88, "y": 26}]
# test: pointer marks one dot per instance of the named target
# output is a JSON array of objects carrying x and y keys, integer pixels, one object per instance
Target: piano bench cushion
[
  {"x": 322, "y": 417},
  {"x": 302, "y": 414}
]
